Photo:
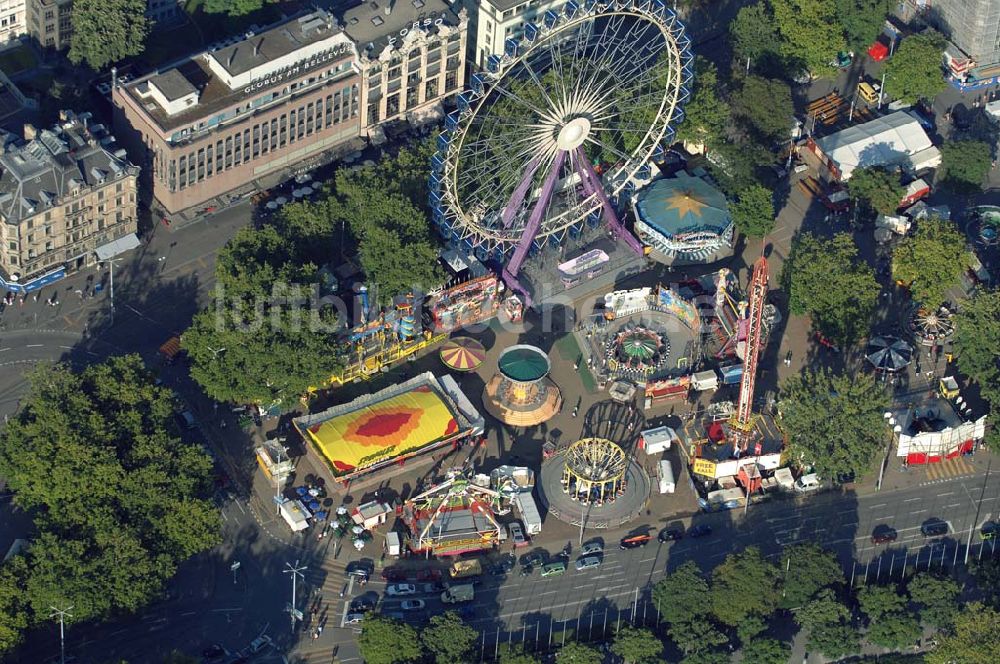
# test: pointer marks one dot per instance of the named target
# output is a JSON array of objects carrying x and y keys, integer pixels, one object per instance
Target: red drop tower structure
[{"x": 742, "y": 426}]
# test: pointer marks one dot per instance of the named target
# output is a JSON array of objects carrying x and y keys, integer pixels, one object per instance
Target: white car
[
  {"x": 588, "y": 563},
  {"x": 354, "y": 618},
  {"x": 517, "y": 534},
  {"x": 399, "y": 589},
  {"x": 413, "y": 605},
  {"x": 591, "y": 548}
]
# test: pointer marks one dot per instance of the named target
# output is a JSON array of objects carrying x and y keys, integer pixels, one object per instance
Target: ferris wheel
[{"x": 544, "y": 141}]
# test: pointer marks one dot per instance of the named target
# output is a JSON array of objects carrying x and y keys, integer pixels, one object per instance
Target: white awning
[{"x": 119, "y": 246}]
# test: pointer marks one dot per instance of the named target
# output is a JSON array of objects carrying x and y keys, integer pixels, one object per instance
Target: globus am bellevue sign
[{"x": 299, "y": 67}]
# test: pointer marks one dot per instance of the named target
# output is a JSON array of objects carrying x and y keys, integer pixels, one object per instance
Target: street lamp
[
  {"x": 62, "y": 613},
  {"x": 894, "y": 428},
  {"x": 295, "y": 571},
  {"x": 979, "y": 506},
  {"x": 111, "y": 262}
]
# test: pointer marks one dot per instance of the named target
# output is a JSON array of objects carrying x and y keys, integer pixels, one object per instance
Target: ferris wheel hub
[{"x": 573, "y": 134}]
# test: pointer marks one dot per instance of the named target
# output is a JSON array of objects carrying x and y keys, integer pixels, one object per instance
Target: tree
[
  {"x": 821, "y": 611},
  {"x": 516, "y": 655},
  {"x": 810, "y": 33},
  {"x": 766, "y": 106},
  {"x": 750, "y": 628},
  {"x": 232, "y": 7},
  {"x": 706, "y": 115},
  {"x": 680, "y": 595},
  {"x": 119, "y": 500},
  {"x": 388, "y": 641},
  {"x": 894, "y": 630},
  {"x": 835, "y": 640},
  {"x": 974, "y": 638},
  {"x": 107, "y": 31},
  {"x": 448, "y": 639},
  {"x": 914, "y": 72},
  {"x": 735, "y": 164},
  {"x": 753, "y": 211},
  {"x": 744, "y": 585},
  {"x": 807, "y": 568},
  {"x": 637, "y": 646},
  {"x": 834, "y": 422},
  {"x": 931, "y": 261},
  {"x": 578, "y": 653},
  {"x": 829, "y": 282},
  {"x": 696, "y": 634},
  {"x": 936, "y": 596},
  {"x": 753, "y": 32},
  {"x": 862, "y": 21},
  {"x": 877, "y": 187},
  {"x": 965, "y": 165},
  {"x": 767, "y": 651},
  {"x": 977, "y": 342},
  {"x": 878, "y": 601},
  {"x": 13, "y": 613}
]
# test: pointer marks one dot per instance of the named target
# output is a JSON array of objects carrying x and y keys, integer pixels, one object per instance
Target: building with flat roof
[
  {"x": 494, "y": 21},
  {"x": 49, "y": 22},
  {"x": 66, "y": 201},
  {"x": 215, "y": 122},
  {"x": 973, "y": 26},
  {"x": 412, "y": 54}
]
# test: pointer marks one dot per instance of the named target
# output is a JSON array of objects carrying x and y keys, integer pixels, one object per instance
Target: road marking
[
  {"x": 918, "y": 512},
  {"x": 189, "y": 613},
  {"x": 949, "y": 493},
  {"x": 910, "y": 500},
  {"x": 872, "y": 507},
  {"x": 66, "y": 347},
  {"x": 3, "y": 350},
  {"x": 35, "y": 346}
]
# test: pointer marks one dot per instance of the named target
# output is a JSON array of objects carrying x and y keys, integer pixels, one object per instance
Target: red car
[
  {"x": 393, "y": 574},
  {"x": 429, "y": 575}
]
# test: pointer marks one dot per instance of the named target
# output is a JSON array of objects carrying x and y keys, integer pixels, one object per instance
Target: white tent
[{"x": 896, "y": 139}]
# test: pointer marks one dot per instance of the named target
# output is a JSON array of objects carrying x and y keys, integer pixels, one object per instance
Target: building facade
[
  {"x": 12, "y": 21},
  {"x": 63, "y": 197},
  {"x": 412, "y": 54},
  {"x": 494, "y": 21},
  {"x": 217, "y": 121},
  {"x": 972, "y": 25},
  {"x": 165, "y": 12},
  {"x": 49, "y": 22}
]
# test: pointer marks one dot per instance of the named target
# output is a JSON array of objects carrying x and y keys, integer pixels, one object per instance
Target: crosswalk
[{"x": 949, "y": 469}]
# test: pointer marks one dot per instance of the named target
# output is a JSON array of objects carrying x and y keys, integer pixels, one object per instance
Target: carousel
[
  {"x": 889, "y": 355},
  {"x": 594, "y": 471},
  {"x": 931, "y": 327},
  {"x": 988, "y": 233},
  {"x": 636, "y": 351},
  {"x": 521, "y": 393}
]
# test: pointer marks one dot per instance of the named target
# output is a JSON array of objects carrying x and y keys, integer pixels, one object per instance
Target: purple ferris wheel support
[
  {"x": 517, "y": 197},
  {"x": 513, "y": 267},
  {"x": 592, "y": 185}
]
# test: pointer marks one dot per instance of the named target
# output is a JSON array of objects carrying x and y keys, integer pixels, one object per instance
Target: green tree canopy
[
  {"x": 750, "y": 577},
  {"x": 974, "y": 638},
  {"x": 767, "y": 651},
  {"x": 932, "y": 260},
  {"x": 13, "y": 611},
  {"x": 810, "y": 33},
  {"x": 118, "y": 499},
  {"x": 750, "y": 628},
  {"x": 822, "y": 610},
  {"x": 936, "y": 597},
  {"x": 878, "y": 601},
  {"x": 835, "y": 640},
  {"x": 828, "y": 281},
  {"x": 834, "y": 422},
  {"x": 753, "y": 32},
  {"x": 680, "y": 595},
  {"x": 862, "y": 21},
  {"x": 877, "y": 187},
  {"x": 766, "y": 107},
  {"x": 807, "y": 568},
  {"x": 637, "y": 646},
  {"x": 388, "y": 641},
  {"x": 977, "y": 341},
  {"x": 232, "y": 7},
  {"x": 706, "y": 115},
  {"x": 895, "y": 630},
  {"x": 914, "y": 71},
  {"x": 107, "y": 31},
  {"x": 448, "y": 639},
  {"x": 697, "y": 634},
  {"x": 578, "y": 653},
  {"x": 753, "y": 212},
  {"x": 965, "y": 165},
  {"x": 517, "y": 655}
]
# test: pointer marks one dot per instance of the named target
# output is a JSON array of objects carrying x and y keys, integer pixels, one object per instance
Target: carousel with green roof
[{"x": 521, "y": 393}]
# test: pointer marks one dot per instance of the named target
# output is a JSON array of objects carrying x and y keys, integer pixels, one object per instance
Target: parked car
[
  {"x": 214, "y": 651},
  {"x": 413, "y": 604},
  {"x": 393, "y": 574},
  {"x": 588, "y": 563},
  {"x": 400, "y": 589},
  {"x": 504, "y": 565},
  {"x": 989, "y": 531},
  {"x": 260, "y": 643},
  {"x": 354, "y": 618},
  {"x": 591, "y": 548},
  {"x": 362, "y": 604},
  {"x": 517, "y": 534},
  {"x": 670, "y": 534},
  {"x": 553, "y": 569},
  {"x": 934, "y": 528},
  {"x": 883, "y": 535},
  {"x": 701, "y": 530},
  {"x": 634, "y": 541}
]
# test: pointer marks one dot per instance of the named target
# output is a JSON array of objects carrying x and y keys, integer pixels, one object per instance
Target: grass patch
[
  {"x": 17, "y": 59},
  {"x": 569, "y": 350}
]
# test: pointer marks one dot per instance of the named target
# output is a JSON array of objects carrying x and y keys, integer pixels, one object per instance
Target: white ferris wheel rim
[{"x": 574, "y": 133}]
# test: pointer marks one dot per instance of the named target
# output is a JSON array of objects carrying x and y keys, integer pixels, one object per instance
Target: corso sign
[
  {"x": 417, "y": 25},
  {"x": 294, "y": 70}
]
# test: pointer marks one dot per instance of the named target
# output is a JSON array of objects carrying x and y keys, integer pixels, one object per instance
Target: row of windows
[
  {"x": 392, "y": 107},
  {"x": 263, "y": 138}
]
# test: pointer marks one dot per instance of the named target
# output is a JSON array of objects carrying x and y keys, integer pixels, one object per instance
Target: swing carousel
[
  {"x": 932, "y": 326},
  {"x": 637, "y": 351}
]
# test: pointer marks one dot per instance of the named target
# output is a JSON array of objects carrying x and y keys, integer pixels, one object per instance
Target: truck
[
  {"x": 460, "y": 593},
  {"x": 463, "y": 569}
]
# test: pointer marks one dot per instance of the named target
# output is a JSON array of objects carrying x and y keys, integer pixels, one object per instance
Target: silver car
[
  {"x": 517, "y": 534},
  {"x": 413, "y": 604},
  {"x": 397, "y": 589},
  {"x": 588, "y": 563},
  {"x": 591, "y": 548}
]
